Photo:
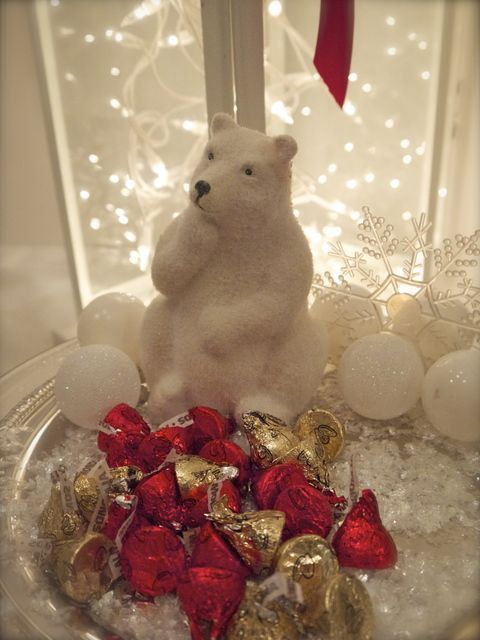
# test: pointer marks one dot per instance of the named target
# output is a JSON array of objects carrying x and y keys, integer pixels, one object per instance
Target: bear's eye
[
  {"x": 248, "y": 171},
  {"x": 210, "y": 155}
]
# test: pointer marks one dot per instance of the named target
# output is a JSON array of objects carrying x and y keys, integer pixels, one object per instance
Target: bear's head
[{"x": 243, "y": 178}]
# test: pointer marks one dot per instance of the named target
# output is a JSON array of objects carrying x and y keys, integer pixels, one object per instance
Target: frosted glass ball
[
  {"x": 381, "y": 376},
  {"x": 115, "y": 319},
  {"x": 451, "y": 395},
  {"x": 94, "y": 379}
]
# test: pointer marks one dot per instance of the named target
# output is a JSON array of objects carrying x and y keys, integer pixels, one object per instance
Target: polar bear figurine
[{"x": 232, "y": 329}]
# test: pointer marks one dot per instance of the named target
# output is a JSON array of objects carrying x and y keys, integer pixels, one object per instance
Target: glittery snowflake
[{"x": 404, "y": 285}]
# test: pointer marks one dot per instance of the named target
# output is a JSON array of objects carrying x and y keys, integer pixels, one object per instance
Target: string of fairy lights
[{"x": 143, "y": 61}]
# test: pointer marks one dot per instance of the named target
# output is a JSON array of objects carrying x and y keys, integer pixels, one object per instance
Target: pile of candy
[{"x": 163, "y": 510}]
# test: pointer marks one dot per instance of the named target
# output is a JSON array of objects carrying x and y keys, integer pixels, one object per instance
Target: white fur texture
[{"x": 232, "y": 327}]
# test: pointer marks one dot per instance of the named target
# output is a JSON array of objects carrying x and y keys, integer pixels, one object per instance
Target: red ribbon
[{"x": 333, "y": 53}]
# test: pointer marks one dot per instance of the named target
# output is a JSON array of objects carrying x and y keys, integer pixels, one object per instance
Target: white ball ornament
[
  {"x": 451, "y": 395},
  {"x": 114, "y": 319},
  {"x": 381, "y": 376},
  {"x": 94, "y": 379}
]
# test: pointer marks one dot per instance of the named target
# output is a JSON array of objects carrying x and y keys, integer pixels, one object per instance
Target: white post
[
  {"x": 247, "y": 30},
  {"x": 217, "y": 54}
]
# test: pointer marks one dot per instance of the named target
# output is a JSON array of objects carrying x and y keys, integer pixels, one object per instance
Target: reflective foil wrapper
[
  {"x": 208, "y": 424},
  {"x": 87, "y": 494},
  {"x": 254, "y": 620},
  {"x": 209, "y": 597},
  {"x": 310, "y": 561},
  {"x": 306, "y": 510},
  {"x": 194, "y": 474},
  {"x": 270, "y": 439},
  {"x": 122, "y": 419},
  {"x": 154, "y": 448},
  {"x": 272, "y": 442},
  {"x": 255, "y": 535},
  {"x": 195, "y": 511},
  {"x": 362, "y": 541},
  {"x": 269, "y": 483},
  {"x": 116, "y": 516},
  {"x": 326, "y": 430},
  {"x": 124, "y": 479},
  {"x": 224, "y": 452},
  {"x": 159, "y": 501},
  {"x": 211, "y": 549},
  {"x": 152, "y": 559},
  {"x": 82, "y": 568},
  {"x": 58, "y": 524},
  {"x": 344, "y": 610}
]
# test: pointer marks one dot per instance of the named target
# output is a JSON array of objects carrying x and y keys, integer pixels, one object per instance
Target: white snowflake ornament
[{"x": 407, "y": 287}]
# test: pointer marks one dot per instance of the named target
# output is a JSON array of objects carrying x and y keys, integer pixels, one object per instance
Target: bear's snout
[{"x": 202, "y": 188}]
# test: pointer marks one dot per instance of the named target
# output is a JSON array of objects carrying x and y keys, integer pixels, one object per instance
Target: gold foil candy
[
  {"x": 310, "y": 561},
  {"x": 253, "y": 621},
  {"x": 54, "y": 523},
  {"x": 193, "y": 473},
  {"x": 124, "y": 479},
  {"x": 270, "y": 439},
  {"x": 327, "y": 430},
  {"x": 86, "y": 494},
  {"x": 310, "y": 454},
  {"x": 82, "y": 568},
  {"x": 255, "y": 535},
  {"x": 346, "y": 610}
]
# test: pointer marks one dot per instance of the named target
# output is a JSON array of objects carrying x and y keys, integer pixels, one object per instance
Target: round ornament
[
  {"x": 94, "y": 379},
  {"x": 381, "y": 376},
  {"x": 114, "y": 319},
  {"x": 450, "y": 395}
]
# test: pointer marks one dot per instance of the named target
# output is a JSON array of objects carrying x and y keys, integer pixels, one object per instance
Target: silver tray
[{"x": 31, "y": 428}]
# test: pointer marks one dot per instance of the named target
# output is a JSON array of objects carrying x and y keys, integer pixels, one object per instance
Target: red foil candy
[
  {"x": 124, "y": 419},
  {"x": 158, "y": 499},
  {"x": 196, "y": 510},
  {"x": 154, "y": 448},
  {"x": 207, "y": 425},
  {"x": 122, "y": 450},
  {"x": 116, "y": 516},
  {"x": 209, "y": 597},
  {"x": 152, "y": 559},
  {"x": 306, "y": 511},
  {"x": 212, "y": 550},
  {"x": 268, "y": 484},
  {"x": 362, "y": 541},
  {"x": 228, "y": 453}
]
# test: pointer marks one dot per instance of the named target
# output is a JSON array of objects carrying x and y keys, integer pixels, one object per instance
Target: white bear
[{"x": 232, "y": 329}]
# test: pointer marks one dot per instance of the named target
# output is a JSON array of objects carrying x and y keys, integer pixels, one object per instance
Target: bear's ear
[
  {"x": 222, "y": 121},
  {"x": 286, "y": 147}
]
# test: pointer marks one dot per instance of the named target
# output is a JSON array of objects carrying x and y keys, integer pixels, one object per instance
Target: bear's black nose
[{"x": 202, "y": 188}]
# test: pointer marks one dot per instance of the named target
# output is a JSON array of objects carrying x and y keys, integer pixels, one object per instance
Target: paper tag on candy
[
  {"x": 188, "y": 537},
  {"x": 114, "y": 565},
  {"x": 127, "y": 502},
  {"x": 67, "y": 494},
  {"x": 107, "y": 429},
  {"x": 102, "y": 476},
  {"x": 213, "y": 493},
  {"x": 281, "y": 585},
  {"x": 182, "y": 420}
]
